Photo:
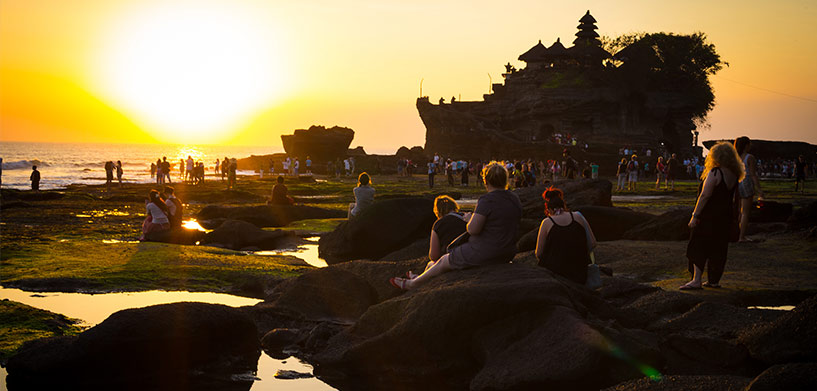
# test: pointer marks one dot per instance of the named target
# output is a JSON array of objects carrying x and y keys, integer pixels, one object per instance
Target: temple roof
[
  {"x": 588, "y": 50},
  {"x": 557, "y": 49},
  {"x": 587, "y": 18},
  {"x": 587, "y": 34},
  {"x": 534, "y": 54},
  {"x": 583, "y": 26}
]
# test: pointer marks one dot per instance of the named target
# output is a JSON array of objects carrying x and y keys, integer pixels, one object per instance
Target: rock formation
[
  {"x": 318, "y": 142},
  {"x": 572, "y": 91}
]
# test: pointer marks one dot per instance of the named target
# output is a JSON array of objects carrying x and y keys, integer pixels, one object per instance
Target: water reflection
[
  {"x": 774, "y": 308},
  {"x": 194, "y": 225},
  {"x": 93, "y": 309},
  {"x": 308, "y": 252}
]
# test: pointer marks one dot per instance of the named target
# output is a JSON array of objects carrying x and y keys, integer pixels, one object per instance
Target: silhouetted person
[
  {"x": 174, "y": 207},
  {"x": 279, "y": 193},
  {"x": 119, "y": 172},
  {"x": 35, "y": 179},
  {"x": 109, "y": 167}
]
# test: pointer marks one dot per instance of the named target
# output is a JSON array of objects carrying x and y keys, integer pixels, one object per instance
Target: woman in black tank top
[
  {"x": 564, "y": 249},
  {"x": 714, "y": 216}
]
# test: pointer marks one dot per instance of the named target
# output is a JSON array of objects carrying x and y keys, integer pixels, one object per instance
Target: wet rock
[
  {"x": 15, "y": 204},
  {"x": 714, "y": 320},
  {"x": 660, "y": 304},
  {"x": 610, "y": 223},
  {"x": 47, "y": 195},
  {"x": 671, "y": 225},
  {"x": 284, "y": 374},
  {"x": 702, "y": 355},
  {"x": 324, "y": 294},
  {"x": 163, "y": 345},
  {"x": 793, "y": 376},
  {"x": 623, "y": 290},
  {"x": 383, "y": 227},
  {"x": 236, "y": 235},
  {"x": 790, "y": 338},
  {"x": 684, "y": 383},
  {"x": 265, "y": 215},
  {"x": 276, "y": 341}
]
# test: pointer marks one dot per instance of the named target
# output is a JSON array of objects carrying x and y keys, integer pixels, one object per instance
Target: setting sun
[{"x": 190, "y": 74}]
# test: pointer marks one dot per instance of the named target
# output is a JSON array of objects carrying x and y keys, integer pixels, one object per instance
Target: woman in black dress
[
  {"x": 713, "y": 219},
  {"x": 565, "y": 239}
]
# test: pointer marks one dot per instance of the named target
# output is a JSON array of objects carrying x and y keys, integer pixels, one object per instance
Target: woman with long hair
[
  {"x": 712, "y": 218},
  {"x": 492, "y": 229},
  {"x": 565, "y": 239},
  {"x": 749, "y": 186},
  {"x": 157, "y": 215}
]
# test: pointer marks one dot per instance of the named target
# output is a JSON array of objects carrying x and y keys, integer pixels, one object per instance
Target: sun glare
[{"x": 192, "y": 72}]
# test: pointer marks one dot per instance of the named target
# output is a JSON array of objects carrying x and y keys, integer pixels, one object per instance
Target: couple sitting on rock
[
  {"x": 162, "y": 213},
  {"x": 490, "y": 233}
]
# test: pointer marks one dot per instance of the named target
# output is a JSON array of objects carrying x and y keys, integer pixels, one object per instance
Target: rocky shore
[{"x": 504, "y": 327}]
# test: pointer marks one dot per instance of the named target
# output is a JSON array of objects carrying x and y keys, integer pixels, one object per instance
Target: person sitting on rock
[
  {"x": 492, "y": 229},
  {"x": 174, "y": 207},
  {"x": 279, "y": 193},
  {"x": 364, "y": 195},
  {"x": 565, "y": 239},
  {"x": 156, "y": 220},
  {"x": 449, "y": 225}
]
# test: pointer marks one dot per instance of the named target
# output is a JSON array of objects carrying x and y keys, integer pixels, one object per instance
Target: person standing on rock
[
  {"x": 672, "y": 171},
  {"x": 225, "y": 166},
  {"x": 565, "y": 239},
  {"x": 748, "y": 186},
  {"x": 35, "y": 179},
  {"x": 364, "y": 195},
  {"x": 109, "y": 167},
  {"x": 632, "y": 174},
  {"x": 492, "y": 229},
  {"x": 308, "y": 166},
  {"x": 119, "y": 172},
  {"x": 660, "y": 173},
  {"x": 713, "y": 217},
  {"x": 621, "y": 174},
  {"x": 800, "y": 174}
]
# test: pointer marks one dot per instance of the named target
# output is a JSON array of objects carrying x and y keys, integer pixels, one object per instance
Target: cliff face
[{"x": 520, "y": 117}]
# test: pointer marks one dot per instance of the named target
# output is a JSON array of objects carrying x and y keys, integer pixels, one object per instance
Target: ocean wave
[{"x": 24, "y": 164}]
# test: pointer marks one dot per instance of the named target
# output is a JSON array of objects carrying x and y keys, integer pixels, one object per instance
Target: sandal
[
  {"x": 411, "y": 275},
  {"x": 688, "y": 287},
  {"x": 711, "y": 285},
  {"x": 399, "y": 283}
]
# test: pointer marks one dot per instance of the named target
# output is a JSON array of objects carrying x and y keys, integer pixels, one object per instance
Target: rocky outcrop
[
  {"x": 684, "y": 383},
  {"x": 318, "y": 142},
  {"x": 577, "y": 193},
  {"x": 241, "y": 235},
  {"x": 383, "y": 227},
  {"x": 790, "y": 338},
  {"x": 772, "y": 150},
  {"x": 506, "y": 316},
  {"x": 264, "y": 215},
  {"x": 794, "y": 376},
  {"x": 671, "y": 225},
  {"x": 169, "y": 346},
  {"x": 610, "y": 223}
]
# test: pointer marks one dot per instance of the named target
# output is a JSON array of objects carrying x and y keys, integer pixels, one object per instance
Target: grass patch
[
  {"x": 20, "y": 323},
  {"x": 314, "y": 225}
]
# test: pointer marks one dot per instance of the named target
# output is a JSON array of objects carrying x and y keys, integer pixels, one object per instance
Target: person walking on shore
[
  {"x": 166, "y": 170},
  {"x": 35, "y": 179},
  {"x": 189, "y": 166},
  {"x": 119, "y": 172},
  {"x": 713, "y": 217},
  {"x": 109, "y": 167},
  {"x": 225, "y": 166}
]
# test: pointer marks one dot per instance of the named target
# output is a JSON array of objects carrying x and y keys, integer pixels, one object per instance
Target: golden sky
[{"x": 244, "y": 72}]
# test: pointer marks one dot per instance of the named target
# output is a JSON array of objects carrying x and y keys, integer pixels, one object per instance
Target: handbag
[
  {"x": 593, "y": 274},
  {"x": 458, "y": 241}
]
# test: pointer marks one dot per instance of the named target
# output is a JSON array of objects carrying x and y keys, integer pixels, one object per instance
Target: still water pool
[{"x": 92, "y": 309}]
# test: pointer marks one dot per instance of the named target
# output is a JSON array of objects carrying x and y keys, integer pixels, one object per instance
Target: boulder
[
  {"x": 383, "y": 227},
  {"x": 417, "y": 249},
  {"x": 318, "y": 142},
  {"x": 576, "y": 193},
  {"x": 267, "y": 215},
  {"x": 683, "y": 383},
  {"x": 792, "y": 376},
  {"x": 237, "y": 235},
  {"x": 804, "y": 217},
  {"x": 323, "y": 294},
  {"x": 157, "y": 347},
  {"x": 790, "y": 338},
  {"x": 610, "y": 223},
  {"x": 710, "y": 319},
  {"x": 276, "y": 341},
  {"x": 671, "y": 225},
  {"x": 528, "y": 241},
  {"x": 503, "y": 326},
  {"x": 770, "y": 212}
]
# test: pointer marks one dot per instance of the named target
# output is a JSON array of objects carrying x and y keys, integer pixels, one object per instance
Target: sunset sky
[{"x": 244, "y": 72}]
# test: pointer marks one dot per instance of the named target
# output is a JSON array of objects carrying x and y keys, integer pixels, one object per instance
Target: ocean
[{"x": 62, "y": 164}]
